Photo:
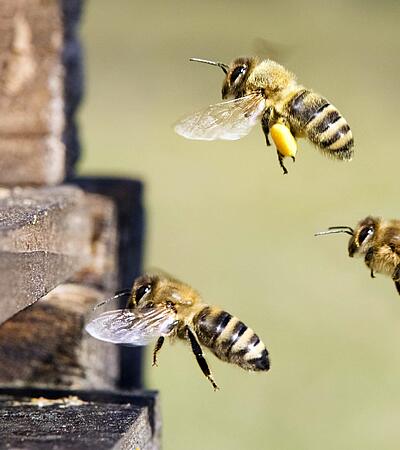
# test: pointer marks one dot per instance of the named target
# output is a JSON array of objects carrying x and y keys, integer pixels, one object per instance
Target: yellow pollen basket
[{"x": 284, "y": 140}]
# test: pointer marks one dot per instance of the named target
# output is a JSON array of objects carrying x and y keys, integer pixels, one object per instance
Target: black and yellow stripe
[
  {"x": 321, "y": 122},
  {"x": 230, "y": 339}
]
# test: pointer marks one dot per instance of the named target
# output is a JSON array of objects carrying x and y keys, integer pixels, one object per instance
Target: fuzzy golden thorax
[
  {"x": 273, "y": 79},
  {"x": 158, "y": 290},
  {"x": 247, "y": 75},
  {"x": 161, "y": 290}
]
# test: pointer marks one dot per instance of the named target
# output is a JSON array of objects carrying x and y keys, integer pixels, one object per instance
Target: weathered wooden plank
[
  {"x": 39, "y": 65},
  {"x": 72, "y": 420},
  {"x": 31, "y": 83},
  {"x": 49, "y": 235},
  {"x": 45, "y": 237},
  {"x": 127, "y": 195},
  {"x": 46, "y": 345},
  {"x": 102, "y": 270}
]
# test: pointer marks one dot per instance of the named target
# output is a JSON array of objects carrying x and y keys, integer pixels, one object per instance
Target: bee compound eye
[
  {"x": 141, "y": 292},
  {"x": 236, "y": 73},
  {"x": 364, "y": 233}
]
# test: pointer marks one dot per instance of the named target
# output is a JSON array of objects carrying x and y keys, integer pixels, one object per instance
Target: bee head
[
  {"x": 142, "y": 289},
  {"x": 237, "y": 74},
  {"x": 361, "y": 240}
]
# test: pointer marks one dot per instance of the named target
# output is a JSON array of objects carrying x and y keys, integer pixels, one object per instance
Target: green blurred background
[{"x": 222, "y": 217}]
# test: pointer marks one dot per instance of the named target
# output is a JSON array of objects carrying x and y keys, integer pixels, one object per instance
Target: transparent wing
[
  {"x": 228, "y": 120},
  {"x": 132, "y": 327}
]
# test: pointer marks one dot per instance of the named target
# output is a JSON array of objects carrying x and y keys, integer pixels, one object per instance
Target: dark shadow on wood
[
  {"x": 74, "y": 419},
  {"x": 72, "y": 59}
]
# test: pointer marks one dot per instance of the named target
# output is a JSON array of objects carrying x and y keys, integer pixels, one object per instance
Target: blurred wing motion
[
  {"x": 132, "y": 327},
  {"x": 228, "y": 120},
  {"x": 277, "y": 51}
]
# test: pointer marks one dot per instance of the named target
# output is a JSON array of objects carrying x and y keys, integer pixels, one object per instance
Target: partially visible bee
[
  {"x": 265, "y": 91},
  {"x": 160, "y": 306},
  {"x": 378, "y": 241}
]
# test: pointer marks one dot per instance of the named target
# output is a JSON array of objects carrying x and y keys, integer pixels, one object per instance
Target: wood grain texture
[
  {"x": 102, "y": 270},
  {"x": 78, "y": 420},
  {"x": 40, "y": 89},
  {"x": 46, "y": 345},
  {"x": 45, "y": 237}
]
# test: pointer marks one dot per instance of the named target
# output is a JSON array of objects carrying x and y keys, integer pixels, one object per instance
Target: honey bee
[
  {"x": 265, "y": 91},
  {"x": 160, "y": 306},
  {"x": 378, "y": 241}
]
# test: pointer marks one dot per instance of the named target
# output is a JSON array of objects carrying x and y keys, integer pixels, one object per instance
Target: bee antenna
[
  {"x": 117, "y": 295},
  {"x": 337, "y": 229},
  {"x": 223, "y": 66}
]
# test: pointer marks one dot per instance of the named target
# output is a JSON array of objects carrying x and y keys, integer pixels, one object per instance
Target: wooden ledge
[
  {"x": 78, "y": 420},
  {"x": 45, "y": 237}
]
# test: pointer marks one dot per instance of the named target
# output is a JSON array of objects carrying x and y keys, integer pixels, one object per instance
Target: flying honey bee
[
  {"x": 160, "y": 306},
  {"x": 378, "y": 241},
  {"x": 265, "y": 91}
]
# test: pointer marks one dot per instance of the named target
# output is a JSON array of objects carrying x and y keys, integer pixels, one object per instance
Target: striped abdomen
[
  {"x": 316, "y": 118},
  {"x": 230, "y": 339}
]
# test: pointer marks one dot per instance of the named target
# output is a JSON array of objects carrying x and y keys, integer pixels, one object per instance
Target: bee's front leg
[
  {"x": 157, "y": 348},
  {"x": 369, "y": 260}
]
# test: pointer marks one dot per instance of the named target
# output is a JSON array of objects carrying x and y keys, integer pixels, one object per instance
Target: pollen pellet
[{"x": 284, "y": 140}]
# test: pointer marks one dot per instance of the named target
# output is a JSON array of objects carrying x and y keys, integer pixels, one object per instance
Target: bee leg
[
  {"x": 372, "y": 273},
  {"x": 369, "y": 256},
  {"x": 157, "y": 348},
  {"x": 265, "y": 121},
  {"x": 396, "y": 277},
  {"x": 280, "y": 159},
  {"x": 198, "y": 353}
]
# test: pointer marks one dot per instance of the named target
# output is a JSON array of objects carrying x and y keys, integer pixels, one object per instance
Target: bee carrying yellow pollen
[
  {"x": 264, "y": 91},
  {"x": 284, "y": 140}
]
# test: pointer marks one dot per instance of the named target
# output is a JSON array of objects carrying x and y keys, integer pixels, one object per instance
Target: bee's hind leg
[
  {"x": 280, "y": 159},
  {"x": 157, "y": 348},
  {"x": 198, "y": 353},
  {"x": 267, "y": 120}
]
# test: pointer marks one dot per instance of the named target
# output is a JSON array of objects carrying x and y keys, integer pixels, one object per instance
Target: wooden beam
[
  {"x": 102, "y": 272},
  {"x": 79, "y": 420},
  {"x": 40, "y": 88},
  {"x": 45, "y": 237},
  {"x": 46, "y": 345}
]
